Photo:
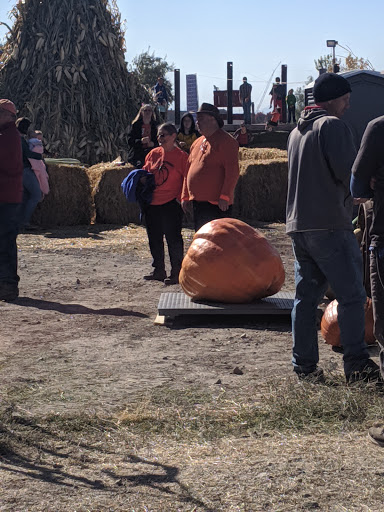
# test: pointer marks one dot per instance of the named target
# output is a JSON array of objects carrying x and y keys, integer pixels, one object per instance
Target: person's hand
[
  {"x": 182, "y": 144},
  {"x": 223, "y": 205},
  {"x": 145, "y": 140},
  {"x": 360, "y": 200},
  {"x": 372, "y": 183},
  {"x": 246, "y": 100}
]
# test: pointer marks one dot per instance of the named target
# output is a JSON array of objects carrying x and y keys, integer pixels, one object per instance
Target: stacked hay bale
[
  {"x": 63, "y": 66},
  {"x": 69, "y": 202},
  {"x": 110, "y": 204},
  {"x": 257, "y": 154},
  {"x": 261, "y": 191}
]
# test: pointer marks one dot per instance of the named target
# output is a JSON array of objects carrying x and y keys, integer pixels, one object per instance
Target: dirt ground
[{"x": 81, "y": 341}]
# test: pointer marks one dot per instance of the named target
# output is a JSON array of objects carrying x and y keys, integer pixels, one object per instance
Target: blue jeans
[
  {"x": 9, "y": 226},
  {"x": 31, "y": 195},
  {"x": 247, "y": 111},
  {"x": 332, "y": 257}
]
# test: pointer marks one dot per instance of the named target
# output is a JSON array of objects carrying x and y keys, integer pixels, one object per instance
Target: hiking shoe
[
  {"x": 171, "y": 280},
  {"x": 376, "y": 435},
  {"x": 315, "y": 377},
  {"x": 155, "y": 276},
  {"x": 8, "y": 292},
  {"x": 370, "y": 372}
]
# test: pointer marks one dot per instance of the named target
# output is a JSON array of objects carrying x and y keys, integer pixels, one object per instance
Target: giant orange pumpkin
[
  {"x": 229, "y": 261},
  {"x": 330, "y": 329}
]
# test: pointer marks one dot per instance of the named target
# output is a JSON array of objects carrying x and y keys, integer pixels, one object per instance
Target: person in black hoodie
[{"x": 319, "y": 221}]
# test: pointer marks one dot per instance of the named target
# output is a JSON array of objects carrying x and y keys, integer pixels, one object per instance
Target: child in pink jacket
[{"x": 36, "y": 145}]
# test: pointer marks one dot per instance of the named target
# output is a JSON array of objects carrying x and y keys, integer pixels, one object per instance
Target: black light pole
[
  {"x": 229, "y": 92},
  {"x": 177, "y": 96},
  {"x": 331, "y": 43}
]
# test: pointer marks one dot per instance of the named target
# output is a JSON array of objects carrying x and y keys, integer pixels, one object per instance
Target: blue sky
[{"x": 201, "y": 36}]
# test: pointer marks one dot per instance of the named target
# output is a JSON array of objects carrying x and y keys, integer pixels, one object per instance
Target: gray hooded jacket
[{"x": 321, "y": 152}]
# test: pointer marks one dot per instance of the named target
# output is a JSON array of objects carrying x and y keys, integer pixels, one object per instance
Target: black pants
[
  {"x": 9, "y": 227},
  {"x": 376, "y": 264},
  {"x": 204, "y": 212},
  {"x": 291, "y": 115},
  {"x": 165, "y": 220}
]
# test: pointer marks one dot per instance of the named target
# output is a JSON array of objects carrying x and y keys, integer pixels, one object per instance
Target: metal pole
[
  {"x": 284, "y": 83},
  {"x": 177, "y": 96},
  {"x": 229, "y": 92}
]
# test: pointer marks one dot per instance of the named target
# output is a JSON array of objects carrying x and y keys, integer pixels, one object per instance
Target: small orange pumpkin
[
  {"x": 230, "y": 261},
  {"x": 330, "y": 329}
]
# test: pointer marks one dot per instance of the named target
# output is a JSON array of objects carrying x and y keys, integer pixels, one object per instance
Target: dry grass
[
  {"x": 292, "y": 447},
  {"x": 271, "y": 445}
]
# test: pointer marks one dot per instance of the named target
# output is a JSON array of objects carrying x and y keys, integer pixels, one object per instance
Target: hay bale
[
  {"x": 69, "y": 202},
  {"x": 257, "y": 154},
  {"x": 261, "y": 191},
  {"x": 110, "y": 204}
]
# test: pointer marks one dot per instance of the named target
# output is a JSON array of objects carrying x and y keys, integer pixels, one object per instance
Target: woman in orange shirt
[{"x": 163, "y": 217}]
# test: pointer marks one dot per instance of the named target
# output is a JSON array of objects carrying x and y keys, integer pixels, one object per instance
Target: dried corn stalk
[{"x": 64, "y": 68}]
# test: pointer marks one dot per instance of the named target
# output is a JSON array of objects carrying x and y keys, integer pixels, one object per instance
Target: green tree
[{"x": 148, "y": 68}]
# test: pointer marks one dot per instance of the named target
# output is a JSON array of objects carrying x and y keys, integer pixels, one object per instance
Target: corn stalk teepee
[{"x": 64, "y": 68}]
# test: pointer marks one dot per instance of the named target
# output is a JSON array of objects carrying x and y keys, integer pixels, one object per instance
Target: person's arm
[
  {"x": 231, "y": 172},
  {"x": 338, "y": 148},
  {"x": 360, "y": 188},
  {"x": 27, "y": 152},
  {"x": 369, "y": 160},
  {"x": 248, "y": 98},
  {"x": 185, "y": 194}
]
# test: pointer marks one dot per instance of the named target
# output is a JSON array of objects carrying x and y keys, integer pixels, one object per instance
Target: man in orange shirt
[{"x": 213, "y": 169}]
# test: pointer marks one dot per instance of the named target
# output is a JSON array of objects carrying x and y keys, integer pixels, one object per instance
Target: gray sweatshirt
[{"x": 321, "y": 152}]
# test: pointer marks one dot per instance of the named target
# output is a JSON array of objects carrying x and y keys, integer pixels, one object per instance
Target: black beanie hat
[{"x": 330, "y": 86}]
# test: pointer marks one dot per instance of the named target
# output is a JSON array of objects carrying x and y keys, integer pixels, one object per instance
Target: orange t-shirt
[
  {"x": 213, "y": 168},
  {"x": 169, "y": 168}
]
